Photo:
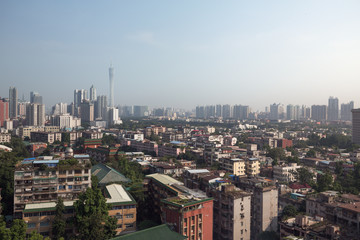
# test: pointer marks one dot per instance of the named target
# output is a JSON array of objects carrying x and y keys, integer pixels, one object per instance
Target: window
[
  {"x": 119, "y": 226},
  {"x": 118, "y": 216},
  {"x": 242, "y": 231},
  {"x": 129, "y": 225},
  {"x": 69, "y": 186},
  {"x": 70, "y": 179},
  {"x": 44, "y": 224},
  {"x": 77, "y": 171},
  {"x": 86, "y": 171},
  {"x": 129, "y": 215},
  {"x": 70, "y": 171},
  {"x": 116, "y": 207},
  {"x": 62, "y": 187},
  {"x": 31, "y": 225}
]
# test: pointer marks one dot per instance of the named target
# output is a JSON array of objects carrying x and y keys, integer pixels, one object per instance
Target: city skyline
[{"x": 204, "y": 54}]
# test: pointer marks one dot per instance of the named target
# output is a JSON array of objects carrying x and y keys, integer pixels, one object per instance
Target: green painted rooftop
[{"x": 161, "y": 232}]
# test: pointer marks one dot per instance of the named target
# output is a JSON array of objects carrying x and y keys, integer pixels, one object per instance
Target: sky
[{"x": 183, "y": 53}]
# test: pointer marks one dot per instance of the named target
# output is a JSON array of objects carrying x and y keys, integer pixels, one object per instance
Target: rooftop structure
[{"x": 106, "y": 174}]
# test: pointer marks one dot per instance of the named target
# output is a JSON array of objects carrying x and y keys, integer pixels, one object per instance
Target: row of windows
[
  {"x": 123, "y": 207},
  {"x": 48, "y": 213},
  {"x": 119, "y": 216},
  {"x": 126, "y": 225},
  {"x": 42, "y": 224},
  {"x": 63, "y": 172},
  {"x": 76, "y": 187},
  {"x": 71, "y": 179}
]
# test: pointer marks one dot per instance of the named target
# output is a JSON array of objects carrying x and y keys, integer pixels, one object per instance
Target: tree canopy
[{"x": 91, "y": 215}]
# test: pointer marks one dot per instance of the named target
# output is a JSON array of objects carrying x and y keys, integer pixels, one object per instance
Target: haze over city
[{"x": 183, "y": 54}]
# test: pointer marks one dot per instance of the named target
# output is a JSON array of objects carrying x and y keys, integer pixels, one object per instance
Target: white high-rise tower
[{"x": 111, "y": 78}]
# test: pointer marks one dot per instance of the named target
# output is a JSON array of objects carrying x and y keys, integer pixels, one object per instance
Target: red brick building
[
  {"x": 189, "y": 212},
  {"x": 189, "y": 217},
  {"x": 284, "y": 143}
]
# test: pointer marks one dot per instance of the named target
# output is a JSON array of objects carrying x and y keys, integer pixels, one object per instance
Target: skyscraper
[
  {"x": 356, "y": 125},
  {"x": 4, "y": 111},
  {"x": 346, "y": 111},
  {"x": 13, "y": 102},
  {"x": 100, "y": 107},
  {"x": 333, "y": 109},
  {"x": 35, "y": 98},
  {"x": 79, "y": 96},
  {"x": 35, "y": 114},
  {"x": 319, "y": 112},
  {"x": 111, "y": 78},
  {"x": 92, "y": 93}
]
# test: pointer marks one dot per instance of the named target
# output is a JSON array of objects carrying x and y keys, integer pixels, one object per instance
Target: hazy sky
[{"x": 183, "y": 53}]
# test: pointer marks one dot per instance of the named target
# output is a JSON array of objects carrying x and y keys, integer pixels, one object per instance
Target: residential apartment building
[
  {"x": 170, "y": 150},
  {"x": 264, "y": 204},
  {"x": 252, "y": 166},
  {"x": 241, "y": 167},
  {"x": 235, "y": 166},
  {"x": 5, "y": 137},
  {"x": 189, "y": 212},
  {"x": 285, "y": 173},
  {"x": 232, "y": 213},
  {"x": 47, "y": 137},
  {"x": 44, "y": 179},
  {"x": 356, "y": 125},
  {"x": 39, "y": 216}
]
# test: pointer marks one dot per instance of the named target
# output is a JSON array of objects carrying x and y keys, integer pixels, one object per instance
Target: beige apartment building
[
  {"x": 47, "y": 137},
  {"x": 235, "y": 166},
  {"x": 44, "y": 179},
  {"x": 232, "y": 213},
  {"x": 241, "y": 167},
  {"x": 285, "y": 173},
  {"x": 39, "y": 216}
]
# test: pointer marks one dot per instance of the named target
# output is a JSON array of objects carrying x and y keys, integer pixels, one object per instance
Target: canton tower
[{"x": 111, "y": 78}]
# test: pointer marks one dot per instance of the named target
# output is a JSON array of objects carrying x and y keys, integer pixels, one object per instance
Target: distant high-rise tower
[
  {"x": 356, "y": 125},
  {"x": 92, "y": 93},
  {"x": 13, "y": 102},
  {"x": 333, "y": 109},
  {"x": 111, "y": 78},
  {"x": 35, "y": 98},
  {"x": 346, "y": 111}
]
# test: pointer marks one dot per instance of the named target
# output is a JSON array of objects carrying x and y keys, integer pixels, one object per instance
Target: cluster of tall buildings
[
  {"x": 224, "y": 111},
  {"x": 85, "y": 108},
  {"x": 277, "y": 111}
]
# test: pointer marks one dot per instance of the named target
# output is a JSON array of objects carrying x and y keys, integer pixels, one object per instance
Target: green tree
[
  {"x": 37, "y": 236},
  {"x": 289, "y": 211},
  {"x": 91, "y": 215},
  {"x": 5, "y": 233},
  {"x": 65, "y": 137},
  {"x": 311, "y": 153},
  {"x": 304, "y": 176},
  {"x": 18, "y": 230},
  {"x": 59, "y": 223},
  {"x": 276, "y": 154},
  {"x": 324, "y": 182}
]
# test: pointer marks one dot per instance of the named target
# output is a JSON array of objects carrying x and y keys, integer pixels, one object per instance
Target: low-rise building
[
  {"x": 39, "y": 216},
  {"x": 285, "y": 173},
  {"x": 5, "y": 137},
  {"x": 47, "y": 137},
  {"x": 44, "y": 179}
]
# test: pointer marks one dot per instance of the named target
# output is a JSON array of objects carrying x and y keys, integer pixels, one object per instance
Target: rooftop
[
  {"x": 117, "y": 194},
  {"x": 106, "y": 174},
  {"x": 161, "y": 232},
  {"x": 164, "y": 179}
]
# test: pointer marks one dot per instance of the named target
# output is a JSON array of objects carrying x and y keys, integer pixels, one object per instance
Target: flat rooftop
[
  {"x": 117, "y": 194},
  {"x": 164, "y": 179}
]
